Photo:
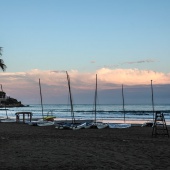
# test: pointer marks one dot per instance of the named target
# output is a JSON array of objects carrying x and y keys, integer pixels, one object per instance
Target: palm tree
[{"x": 2, "y": 65}]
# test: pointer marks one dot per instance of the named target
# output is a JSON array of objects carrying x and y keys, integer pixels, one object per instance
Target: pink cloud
[
  {"x": 24, "y": 85},
  {"x": 133, "y": 76}
]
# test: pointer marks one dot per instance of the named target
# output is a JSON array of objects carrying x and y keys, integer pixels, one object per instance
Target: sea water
[{"x": 104, "y": 112}]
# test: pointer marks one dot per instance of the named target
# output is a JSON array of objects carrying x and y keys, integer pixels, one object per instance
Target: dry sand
[{"x": 32, "y": 147}]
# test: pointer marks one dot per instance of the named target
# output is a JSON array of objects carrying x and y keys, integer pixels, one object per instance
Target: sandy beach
[{"x": 32, "y": 147}]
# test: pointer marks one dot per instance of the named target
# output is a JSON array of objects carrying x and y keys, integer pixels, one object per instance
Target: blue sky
[{"x": 129, "y": 38}]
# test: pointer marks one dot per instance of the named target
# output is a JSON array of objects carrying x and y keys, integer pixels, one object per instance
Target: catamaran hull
[
  {"x": 81, "y": 126},
  {"x": 8, "y": 120},
  {"x": 102, "y": 126},
  {"x": 117, "y": 125},
  {"x": 48, "y": 123}
]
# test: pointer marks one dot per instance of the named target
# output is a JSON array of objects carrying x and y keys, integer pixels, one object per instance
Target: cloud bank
[{"x": 24, "y": 85}]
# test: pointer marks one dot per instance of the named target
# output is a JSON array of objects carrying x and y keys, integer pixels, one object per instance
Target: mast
[
  {"x": 123, "y": 102},
  {"x": 152, "y": 100},
  {"x": 41, "y": 99},
  {"x": 71, "y": 101},
  {"x": 95, "y": 99}
]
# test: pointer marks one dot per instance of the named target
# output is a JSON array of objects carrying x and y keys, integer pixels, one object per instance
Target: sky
[{"x": 122, "y": 41}]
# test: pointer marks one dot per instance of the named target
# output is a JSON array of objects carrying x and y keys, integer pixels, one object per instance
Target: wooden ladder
[{"x": 159, "y": 126}]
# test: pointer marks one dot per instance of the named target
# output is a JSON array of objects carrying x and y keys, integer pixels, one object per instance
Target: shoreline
[
  {"x": 133, "y": 122},
  {"x": 119, "y": 121}
]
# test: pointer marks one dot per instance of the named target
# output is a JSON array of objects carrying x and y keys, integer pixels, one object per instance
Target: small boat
[
  {"x": 76, "y": 126},
  {"x": 95, "y": 124},
  {"x": 102, "y": 125},
  {"x": 70, "y": 125},
  {"x": 7, "y": 120},
  {"x": 119, "y": 125},
  {"x": 63, "y": 125},
  {"x": 84, "y": 125},
  {"x": 45, "y": 123},
  {"x": 49, "y": 116},
  {"x": 88, "y": 125},
  {"x": 33, "y": 122},
  {"x": 99, "y": 125},
  {"x": 150, "y": 124}
]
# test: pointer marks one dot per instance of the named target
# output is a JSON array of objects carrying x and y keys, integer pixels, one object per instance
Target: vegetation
[
  {"x": 2, "y": 64},
  {"x": 8, "y": 101}
]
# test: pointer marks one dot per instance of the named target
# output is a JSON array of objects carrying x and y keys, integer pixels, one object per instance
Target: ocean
[{"x": 104, "y": 112}]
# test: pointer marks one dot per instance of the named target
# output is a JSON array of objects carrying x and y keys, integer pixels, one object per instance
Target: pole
[
  {"x": 71, "y": 101},
  {"x": 123, "y": 102},
  {"x": 41, "y": 99},
  {"x": 152, "y": 100},
  {"x": 95, "y": 99}
]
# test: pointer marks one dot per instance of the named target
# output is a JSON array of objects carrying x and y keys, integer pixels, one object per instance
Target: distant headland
[{"x": 7, "y": 101}]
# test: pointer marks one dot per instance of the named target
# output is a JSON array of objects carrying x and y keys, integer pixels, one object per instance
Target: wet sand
[{"x": 32, "y": 147}]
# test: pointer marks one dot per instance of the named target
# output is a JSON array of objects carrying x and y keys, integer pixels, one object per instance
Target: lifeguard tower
[{"x": 159, "y": 126}]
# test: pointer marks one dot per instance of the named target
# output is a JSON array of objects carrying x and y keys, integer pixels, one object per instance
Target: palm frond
[
  {"x": 0, "y": 51},
  {"x": 2, "y": 65}
]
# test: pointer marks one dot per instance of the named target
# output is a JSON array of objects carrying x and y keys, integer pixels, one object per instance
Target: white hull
[
  {"x": 117, "y": 125},
  {"x": 81, "y": 126},
  {"x": 63, "y": 125},
  {"x": 7, "y": 120},
  {"x": 45, "y": 123},
  {"x": 32, "y": 123},
  {"x": 102, "y": 125},
  {"x": 73, "y": 126},
  {"x": 148, "y": 124},
  {"x": 88, "y": 126}
]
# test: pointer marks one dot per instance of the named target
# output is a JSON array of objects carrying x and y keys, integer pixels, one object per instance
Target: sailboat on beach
[
  {"x": 67, "y": 125},
  {"x": 120, "y": 125},
  {"x": 43, "y": 121},
  {"x": 95, "y": 124},
  {"x": 73, "y": 124},
  {"x": 7, "y": 119}
]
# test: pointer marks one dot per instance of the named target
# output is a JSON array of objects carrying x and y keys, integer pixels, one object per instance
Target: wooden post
[
  {"x": 30, "y": 117},
  {"x": 23, "y": 117},
  {"x": 17, "y": 117}
]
